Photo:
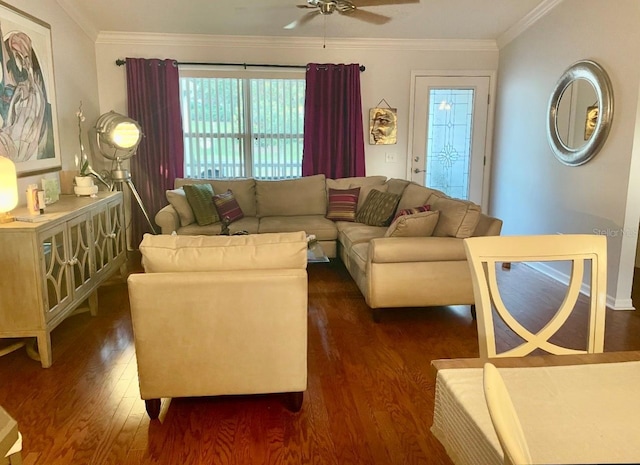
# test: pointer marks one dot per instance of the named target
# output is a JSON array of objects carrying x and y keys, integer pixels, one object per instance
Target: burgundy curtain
[
  {"x": 333, "y": 133},
  {"x": 153, "y": 95}
]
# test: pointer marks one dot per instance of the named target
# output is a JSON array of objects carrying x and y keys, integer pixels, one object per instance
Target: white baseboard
[{"x": 612, "y": 303}]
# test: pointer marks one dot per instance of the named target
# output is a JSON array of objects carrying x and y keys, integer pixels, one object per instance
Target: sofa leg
[
  {"x": 153, "y": 408},
  {"x": 293, "y": 401},
  {"x": 376, "y": 314},
  {"x": 473, "y": 311}
]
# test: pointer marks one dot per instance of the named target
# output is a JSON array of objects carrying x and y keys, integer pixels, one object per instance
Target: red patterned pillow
[
  {"x": 227, "y": 206},
  {"x": 412, "y": 211},
  {"x": 343, "y": 204}
]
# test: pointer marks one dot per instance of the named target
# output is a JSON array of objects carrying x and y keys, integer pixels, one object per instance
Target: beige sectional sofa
[{"x": 418, "y": 271}]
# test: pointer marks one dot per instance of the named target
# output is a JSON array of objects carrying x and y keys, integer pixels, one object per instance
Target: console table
[{"x": 49, "y": 268}]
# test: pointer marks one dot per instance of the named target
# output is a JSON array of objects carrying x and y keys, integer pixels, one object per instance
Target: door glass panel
[{"x": 449, "y": 139}]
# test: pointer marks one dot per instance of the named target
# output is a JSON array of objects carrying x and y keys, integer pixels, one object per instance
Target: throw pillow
[
  {"x": 200, "y": 197},
  {"x": 378, "y": 208},
  {"x": 343, "y": 204},
  {"x": 178, "y": 200},
  {"x": 412, "y": 211},
  {"x": 227, "y": 206},
  {"x": 458, "y": 218},
  {"x": 417, "y": 225}
]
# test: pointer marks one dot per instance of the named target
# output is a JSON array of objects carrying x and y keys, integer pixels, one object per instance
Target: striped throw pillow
[
  {"x": 412, "y": 211},
  {"x": 343, "y": 204},
  {"x": 227, "y": 206}
]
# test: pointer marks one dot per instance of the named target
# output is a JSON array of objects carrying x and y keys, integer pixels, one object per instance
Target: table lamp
[{"x": 8, "y": 189}]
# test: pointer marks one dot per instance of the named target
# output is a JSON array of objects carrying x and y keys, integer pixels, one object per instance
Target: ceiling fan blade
[
  {"x": 368, "y": 16},
  {"x": 302, "y": 20},
  {"x": 360, "y": 3},
  {"x": 306, "y": 6}
]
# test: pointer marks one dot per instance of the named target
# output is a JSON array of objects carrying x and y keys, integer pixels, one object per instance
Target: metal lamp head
[{"x": 118, "y": 132}]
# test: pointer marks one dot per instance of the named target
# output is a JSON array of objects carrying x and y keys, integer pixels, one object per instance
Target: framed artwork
[
  {"x": 590, "y": 121},
  {"x": 382, "y": 126},
  {"x": 28, "y": 116}
]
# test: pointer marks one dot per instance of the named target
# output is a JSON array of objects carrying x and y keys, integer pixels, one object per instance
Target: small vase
[{"x": 84, "y": 181}]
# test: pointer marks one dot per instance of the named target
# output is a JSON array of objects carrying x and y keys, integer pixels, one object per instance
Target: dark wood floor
[{"x": 369, "y": 399}]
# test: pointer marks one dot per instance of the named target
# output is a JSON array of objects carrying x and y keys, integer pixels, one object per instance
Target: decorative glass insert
[{"x": 449, "y": 137}]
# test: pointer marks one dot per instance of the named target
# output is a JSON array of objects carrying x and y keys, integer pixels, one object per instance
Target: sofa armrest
[
  {"x": 416, "y": 249},
  {"x": 168, "y": 220},
  {"x": 488, "y": 226}
]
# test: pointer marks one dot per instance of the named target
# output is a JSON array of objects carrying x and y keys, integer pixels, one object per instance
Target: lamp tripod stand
[{"x": 117, "y": 138}]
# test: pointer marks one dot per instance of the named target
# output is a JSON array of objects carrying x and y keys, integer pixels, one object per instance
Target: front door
[{"x": 449, "y": 134}]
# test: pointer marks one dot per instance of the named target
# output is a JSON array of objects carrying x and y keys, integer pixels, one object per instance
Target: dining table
[{"x": 582, "y": 408}]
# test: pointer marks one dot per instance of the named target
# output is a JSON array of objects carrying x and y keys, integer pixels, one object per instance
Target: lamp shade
[{"x": 8, "y": 185}]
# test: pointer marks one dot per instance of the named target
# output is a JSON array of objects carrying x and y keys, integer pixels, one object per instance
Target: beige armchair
[{"x": 220, "y": 315}]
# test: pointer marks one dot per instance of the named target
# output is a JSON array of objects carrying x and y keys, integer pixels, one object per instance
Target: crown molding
[
  {"x": 525, "y": 23},
  {"x": 202, "y": 40},
  {"x": 82, "y": 21}
]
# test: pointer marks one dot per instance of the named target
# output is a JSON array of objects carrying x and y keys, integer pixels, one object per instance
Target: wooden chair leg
[
  {"x": 153, "y": 407},
  {"x": 293, "y": 401},
  {"x": 473, "y": 311}
]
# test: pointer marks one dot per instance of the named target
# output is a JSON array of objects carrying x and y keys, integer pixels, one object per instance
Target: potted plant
[{"x": 83, "y": 178}]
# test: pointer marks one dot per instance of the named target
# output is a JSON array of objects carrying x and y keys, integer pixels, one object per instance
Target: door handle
[{"x": 416, "y": 170}]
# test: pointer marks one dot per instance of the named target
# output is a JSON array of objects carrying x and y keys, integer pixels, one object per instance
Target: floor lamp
[{"x": 117, "y": 139}]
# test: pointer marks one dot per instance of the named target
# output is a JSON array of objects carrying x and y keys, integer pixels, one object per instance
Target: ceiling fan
[{"x": 345, "y": 7}]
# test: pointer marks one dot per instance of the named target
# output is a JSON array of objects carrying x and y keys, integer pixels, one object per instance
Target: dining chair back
[
  {"x": 486, "y": 254},
  {"x": 504, "y": 418}
]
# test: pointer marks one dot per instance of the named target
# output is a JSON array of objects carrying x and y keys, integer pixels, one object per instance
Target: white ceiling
[{"x": 428, "y": 19}]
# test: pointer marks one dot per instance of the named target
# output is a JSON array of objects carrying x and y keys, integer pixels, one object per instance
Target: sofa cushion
[
  {"x": 378, "y": 208},
  {"x": 178, "y": 200},
  {"x": 168, "y": 253},
  {"x": 355, "y": 181},
  {"x": 342, "y": 204},
  {"x": 415, "y": 194},
  {"x": 359, "y": 233},
  {"x": 291, "y": 197},
  {"x": 417, "y": 225},
  {"x": 227, "y": 206},
  {"x": 458, "y": 218},
  {"x": 324, "y": 229},
  {"x": 200, "y": 198},
  {"x": 396, "y": 186},
  {"x": 248, "y": 223}
]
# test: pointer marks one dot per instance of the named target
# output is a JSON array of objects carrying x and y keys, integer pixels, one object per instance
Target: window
[{"x": 242, "y": 126}]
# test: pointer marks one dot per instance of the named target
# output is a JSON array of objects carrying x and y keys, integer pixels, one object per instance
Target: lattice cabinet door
[
  {"x": 55, "y": 270},
  {"x": 117, "y": 229},
  {"x": 80, "y": 258},
  {"x": 101, "y": 238}
]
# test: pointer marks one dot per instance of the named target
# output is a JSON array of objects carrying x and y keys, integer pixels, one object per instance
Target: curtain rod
[{"x": 121, "y": 62}]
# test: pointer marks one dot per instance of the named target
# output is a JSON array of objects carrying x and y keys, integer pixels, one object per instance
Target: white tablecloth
[{"x": 569, "y": 414}]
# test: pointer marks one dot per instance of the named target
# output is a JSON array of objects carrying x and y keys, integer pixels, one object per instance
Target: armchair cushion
[{"x": 165, "y": 253}]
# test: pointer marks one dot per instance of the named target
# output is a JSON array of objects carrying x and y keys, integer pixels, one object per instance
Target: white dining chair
[
  {"x": 504, "y": 418},
  {"x": 485, "y": 254}
]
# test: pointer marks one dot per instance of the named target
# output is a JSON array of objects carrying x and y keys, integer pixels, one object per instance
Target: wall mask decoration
[
  {"x": 580, "y": 113},
  {"x": 383, "y": 125}
]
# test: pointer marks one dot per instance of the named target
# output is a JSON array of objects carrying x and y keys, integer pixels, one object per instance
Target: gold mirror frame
[{"x": 598, "y": 78}]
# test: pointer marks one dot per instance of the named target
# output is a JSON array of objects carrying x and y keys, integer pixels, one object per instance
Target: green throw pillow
[
  {"x": 200, "y": 197},
  {"x": 378, "y": 208}
]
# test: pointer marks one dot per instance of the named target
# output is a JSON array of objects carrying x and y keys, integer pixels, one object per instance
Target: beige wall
[
  {"x": 388, "y": 69},
  {"x": 75, "y": 80},
  {"x": 531, "y": 191}
]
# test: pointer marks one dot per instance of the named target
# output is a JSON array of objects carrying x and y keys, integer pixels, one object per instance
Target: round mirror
[{"x": 580, "y": 113}]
